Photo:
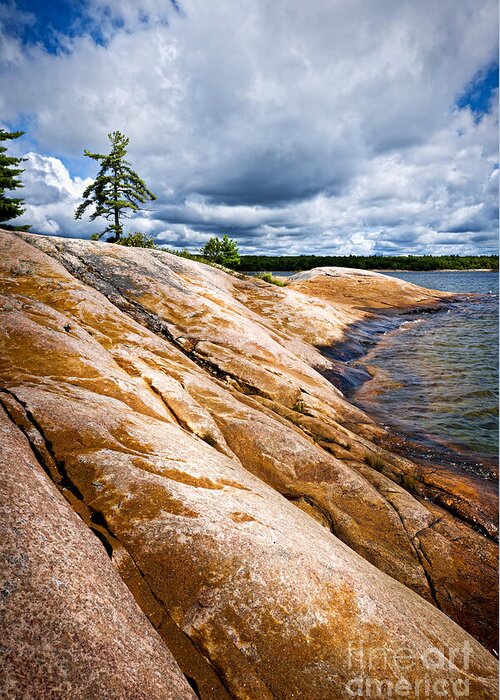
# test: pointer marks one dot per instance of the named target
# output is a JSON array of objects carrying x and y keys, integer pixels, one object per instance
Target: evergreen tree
[
  {"x": 10, "y": 207},
  {"x": 116, "y": 189},
  {"x": 223, "y": 252},
  {"x": 230, "y": 253}
]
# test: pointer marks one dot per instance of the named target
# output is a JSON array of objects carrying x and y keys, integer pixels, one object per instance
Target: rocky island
[{"x": 189, "y": 507}]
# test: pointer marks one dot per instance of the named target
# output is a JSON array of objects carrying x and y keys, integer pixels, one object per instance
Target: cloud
[
  {"x": 51, "y": 196},
  {"x": 293, "y": 128}
]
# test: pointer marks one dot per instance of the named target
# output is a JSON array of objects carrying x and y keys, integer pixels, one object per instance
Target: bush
[
  {"x": 137, "y": 240},
  {"x": 267, "y": 277},
  {"x": 183, "y": 254}
]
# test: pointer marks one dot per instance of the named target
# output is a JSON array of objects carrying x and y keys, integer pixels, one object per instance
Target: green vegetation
[
  {"x": 215, "y": 252},
  {"x": 300, "y": 407},
  {"x": 410, "y": 483},
  {"x": 374, "y": 461},
  {"x": 116, "y": 189},
  {"x": 184, "y": 253},
  {"x": 223, "y": 252},
  {"x": 267, "y": 277},
  {"x": 297, "y": 263},
  {"x": 10, "y": 207},
  {"x": 137, "y": 240},
  {"x": 199, "y": 257}
]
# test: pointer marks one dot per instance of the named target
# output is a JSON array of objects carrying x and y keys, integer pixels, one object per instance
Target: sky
[{"x": 328, "y": 127}]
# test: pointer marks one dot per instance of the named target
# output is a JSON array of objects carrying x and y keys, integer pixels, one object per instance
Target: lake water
[{"x": 436, "y": 376}]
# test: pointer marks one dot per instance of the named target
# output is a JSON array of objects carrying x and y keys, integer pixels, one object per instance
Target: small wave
[
  {"x": 440, "y": 376},
  {"x": 412, "y": 322}
]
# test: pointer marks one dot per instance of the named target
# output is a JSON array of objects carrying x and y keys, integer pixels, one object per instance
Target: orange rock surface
[{"x": 266, "y": 530}]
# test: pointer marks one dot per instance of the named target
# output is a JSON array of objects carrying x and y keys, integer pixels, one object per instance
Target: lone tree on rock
[
  {"x": 224, "y": 252},
  {"x": 116, "y": 188},
  {"x": 10, "y": 207}
]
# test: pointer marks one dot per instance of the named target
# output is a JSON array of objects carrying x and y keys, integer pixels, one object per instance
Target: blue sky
[
  {"x": 334, "y": 127},
  {"x": 479, "y": 93},
  {"x": 49, "y": 18}
]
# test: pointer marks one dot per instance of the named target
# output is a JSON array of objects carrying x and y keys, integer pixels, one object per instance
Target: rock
[
  {"x": 70, "y": 627},
  {"x": 182, "y": 416},
  {"x": 365, "y": 289}
]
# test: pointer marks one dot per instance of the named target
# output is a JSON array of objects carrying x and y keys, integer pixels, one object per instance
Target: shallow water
[{"x": 436, "y": 376}]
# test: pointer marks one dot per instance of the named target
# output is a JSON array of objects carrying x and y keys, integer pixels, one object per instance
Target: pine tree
[
  {"x": 116, "y": 189},
  {"x": 230, "y": 254},
  {"x": 10, "y": 207}
]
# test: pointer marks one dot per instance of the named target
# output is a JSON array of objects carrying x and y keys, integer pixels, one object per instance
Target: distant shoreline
[
  {"x": 451, "y": 269},
  {"x": 373, "y": 263},
  {"x": 277, "y": 272}
]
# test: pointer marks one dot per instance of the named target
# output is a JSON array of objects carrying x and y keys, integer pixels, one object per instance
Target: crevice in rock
[
  {"x": 415, "y": 484},
  {"x": 42, "y": 448},
  {"x": 184, "y": 424},
  {"x": 428, "y": 527},
  {"x": 424, "y": 562},
  {"x": 193, "y": 684},
  {"x": 104, "y": 541},
  {"x": 184, "y": 649},
  {"x": 165, "y": 403},
  {"x": 449, "y": 502},
  {"x": 324, "y": 515},
  {"x": 175, "y": 416},
  {"x": 452, "y": 505},
  {"x": 227, "y": 685},
  {"x": 420, "y": 556},
  {"x": 434, "y": 494},
  {"x": 93, "y": 278},
  {"x": 55, "y": 469}
]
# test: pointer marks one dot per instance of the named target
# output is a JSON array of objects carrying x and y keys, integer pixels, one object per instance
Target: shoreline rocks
[{"x": 231, "y": 482}]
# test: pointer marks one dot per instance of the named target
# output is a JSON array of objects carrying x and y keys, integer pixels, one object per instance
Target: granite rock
[{"x": 185, "y": 415}]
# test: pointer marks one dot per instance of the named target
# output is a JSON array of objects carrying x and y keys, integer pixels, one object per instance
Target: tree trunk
[
  {"x": 117, "y": 211},
  {"x": 117, "y": 224}
]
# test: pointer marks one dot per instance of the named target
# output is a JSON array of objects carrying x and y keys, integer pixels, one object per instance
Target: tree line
[
  {"x": 118, "y": 191},
  {"x": 420, "y": 263}
]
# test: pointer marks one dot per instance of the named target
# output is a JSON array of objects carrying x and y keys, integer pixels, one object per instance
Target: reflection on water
[{"x": 439, "y": 373}]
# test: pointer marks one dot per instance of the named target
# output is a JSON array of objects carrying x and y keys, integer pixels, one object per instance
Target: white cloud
[
  {"x": 294, "y": 127},
  {"x": 51, "y": 196}
]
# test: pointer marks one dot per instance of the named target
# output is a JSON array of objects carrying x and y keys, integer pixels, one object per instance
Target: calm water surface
[{"x": 437, "y": 375}]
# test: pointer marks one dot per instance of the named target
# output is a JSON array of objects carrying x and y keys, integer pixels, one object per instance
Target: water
[
  {"x": 437, "y": 375},
  {"x": 470, "y": 281}
]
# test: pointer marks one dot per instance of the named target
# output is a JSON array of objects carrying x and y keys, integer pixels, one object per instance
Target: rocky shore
[{"x": 190, "y": 508}]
